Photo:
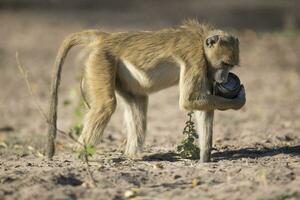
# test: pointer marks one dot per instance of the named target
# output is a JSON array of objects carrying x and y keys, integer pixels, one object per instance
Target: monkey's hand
[
  {"x": 240, "y": 100},
  {"x": 237, "y": 103}
]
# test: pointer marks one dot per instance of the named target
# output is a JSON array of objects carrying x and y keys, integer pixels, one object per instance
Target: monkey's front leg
[{"x": 204, "y": 122}]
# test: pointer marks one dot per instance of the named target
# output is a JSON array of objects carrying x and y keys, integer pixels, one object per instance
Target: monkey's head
[{"x": 222, "y": 54}]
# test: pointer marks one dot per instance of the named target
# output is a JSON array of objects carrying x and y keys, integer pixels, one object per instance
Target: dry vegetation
[{"x": 256, "y": 153}]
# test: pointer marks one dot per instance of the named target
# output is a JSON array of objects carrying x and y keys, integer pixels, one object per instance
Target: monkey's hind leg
[
  {"x": 135, "y": 117},
  {"x": 100, "y": 81}
]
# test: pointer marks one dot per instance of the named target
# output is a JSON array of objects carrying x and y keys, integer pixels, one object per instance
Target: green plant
[
  {"x": 86, "y": 152},
  {"x": 187, "y": 149},
  {"x": 77, "y": 129}
]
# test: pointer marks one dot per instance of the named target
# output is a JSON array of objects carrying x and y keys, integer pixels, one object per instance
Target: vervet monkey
[{"x": 136, "y": 64}]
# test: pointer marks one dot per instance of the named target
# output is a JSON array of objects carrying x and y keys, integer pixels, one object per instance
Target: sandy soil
[{"x": 256, "y": 150}]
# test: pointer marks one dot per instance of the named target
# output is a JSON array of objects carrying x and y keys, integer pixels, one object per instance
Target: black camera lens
[{"x": 229, "y": 89}]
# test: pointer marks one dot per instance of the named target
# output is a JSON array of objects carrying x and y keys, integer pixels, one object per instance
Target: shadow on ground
[
  {"x": 253, "y": 152},
  {"x": 250, "y": 152},
  {"x": 169, "y": 156}
]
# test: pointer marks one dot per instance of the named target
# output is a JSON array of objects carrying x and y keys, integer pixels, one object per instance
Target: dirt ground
[{"x": 256, "y": 149}]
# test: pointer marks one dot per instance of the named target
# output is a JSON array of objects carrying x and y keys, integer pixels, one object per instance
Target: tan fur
[{"x": 135, "y": 64}]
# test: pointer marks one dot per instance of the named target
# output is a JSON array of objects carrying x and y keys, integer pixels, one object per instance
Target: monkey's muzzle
[{"x": 221, "y": 75}]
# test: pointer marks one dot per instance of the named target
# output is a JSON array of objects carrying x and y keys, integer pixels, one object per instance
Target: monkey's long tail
[{"x": 81, "y": 38}]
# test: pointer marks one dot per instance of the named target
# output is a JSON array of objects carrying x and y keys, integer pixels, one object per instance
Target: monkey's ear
[{"x": 212, "y": 40}]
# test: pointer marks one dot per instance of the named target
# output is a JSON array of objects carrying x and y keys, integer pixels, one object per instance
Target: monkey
[{"x": 135, "y": 64}]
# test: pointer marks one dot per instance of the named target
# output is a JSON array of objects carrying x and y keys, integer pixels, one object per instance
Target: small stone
[
  {"x": 158, "y": 166},
  {"x": 286, "y": 138},
  {"x": 177, "y": 176},
  {"x": 195, "y": 182},
  {"x": 129, "y": 194}
]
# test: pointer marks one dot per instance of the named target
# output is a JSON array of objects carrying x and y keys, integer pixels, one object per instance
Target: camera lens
[{"x": 229, "y": 89}]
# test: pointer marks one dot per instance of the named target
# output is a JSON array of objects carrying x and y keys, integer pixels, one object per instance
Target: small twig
[{"x": 24, "y": 73}]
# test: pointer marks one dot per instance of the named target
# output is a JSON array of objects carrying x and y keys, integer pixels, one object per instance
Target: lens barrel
[{"x": 229, "y": 89}]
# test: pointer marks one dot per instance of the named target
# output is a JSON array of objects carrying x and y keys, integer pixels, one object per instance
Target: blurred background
[
  {"x": 268, "y": 31},
  {"x": 239, "y": 14},
  {"x": 262, "y": 139}
]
